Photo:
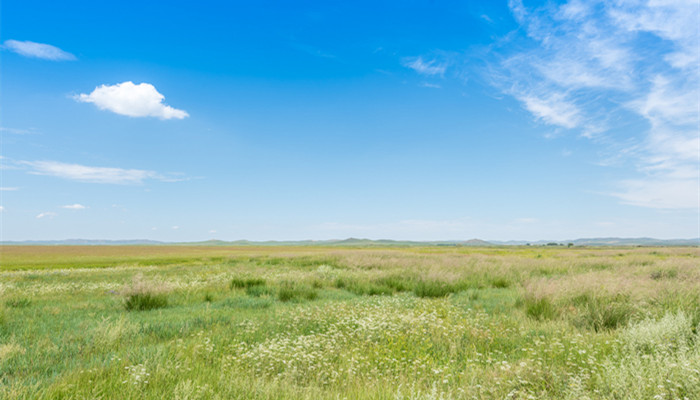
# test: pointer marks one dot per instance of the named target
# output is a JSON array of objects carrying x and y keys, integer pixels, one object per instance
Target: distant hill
[
  {"x": 84, "y": 242},
  {"x": 355, "y": 242},
  {"x": 611, "y": 241}
]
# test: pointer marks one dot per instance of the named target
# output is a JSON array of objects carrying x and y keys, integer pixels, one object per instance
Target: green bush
[
  {"x": 145, "y": 301},
  {"x": 539, "y": 308},
  {"x": 663, "y": 274},
  {"x": 427, "y": 288},
  {"x": 500, "y": 283},
  {"x": 240, "y": 283},
  {"x": 396, "y": 283},
  {"x": 602, "y": 312},
  {"x": 290, "y": 292},
  {"x": 142, "y": 294},
  {"x": 258, "y": 291},
  {"x": 19, "y": 302},
  {"x": 364, "y": 288}
]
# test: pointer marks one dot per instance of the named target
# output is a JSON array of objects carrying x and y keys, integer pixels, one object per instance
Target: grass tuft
[
  {"x": 427, "y": 288},
  {"x": 18, "y": 302},
  {"x": 539, "y": 307},
  {"x": 258, "y": 291},
  {"x": 241, "y": 283},
  {"x": 663, "y": 274},
  {"x": 292, "y": 292},
  {"x": 600, "y": 312},
  {"x": 144, "y": 295}
]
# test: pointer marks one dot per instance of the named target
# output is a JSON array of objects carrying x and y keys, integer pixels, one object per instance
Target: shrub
[
  {"x": 602, "y": 312},
  {"x": 144, "y": 295},
  {"x": 663, "y": 274},
  {"x": 434, "y": 289},
  {"x": 539, "y": 308},
  {"x": 258, "y": 291},
  {"x": 145, "y": 301},
  {"x": 247, "y": 303},
  {"x": 19, "y": 302},
  {"x": 500, "y": 283},
  {"x": 290, "y": 292},
  {"x": 377, "y": 287},
  {"x": 396, "y": 283},
  {"x": 240, "y": 283}
]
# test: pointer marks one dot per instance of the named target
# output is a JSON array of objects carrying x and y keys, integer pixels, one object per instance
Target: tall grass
[
  {"x": 315, "y": 323},
  {"x": 144, "y": 295}
]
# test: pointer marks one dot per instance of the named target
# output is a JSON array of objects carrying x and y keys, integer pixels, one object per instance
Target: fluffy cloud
[
  {"x": 75, "y": 206},
  {"x": 84, "y": 173},
  {"x": 127, "y": 98},
  {"x": 590, "y": 66},
  {"x": 38, "y": 50}
]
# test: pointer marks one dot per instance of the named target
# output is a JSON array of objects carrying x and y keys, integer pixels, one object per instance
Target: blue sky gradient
[{"x": 422, "y": 120}]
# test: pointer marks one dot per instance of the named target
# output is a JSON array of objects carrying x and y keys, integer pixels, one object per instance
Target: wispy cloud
[
  {"x": 47, "y": 214},
  {"x": 2, "y": 209},
  {"x": 83, "y": 173},
  {"x": 75, "y": 206},
  {"x": 127, "y": 98},
  {"x": 15, "y": 131},
  {"x": 423, "y": 67},
  {"x": 38, "y": 50},
  {"x": 586, "y": 65},
  {"x": 430, "y": 85},
  {"x": 8, "y": 189}
]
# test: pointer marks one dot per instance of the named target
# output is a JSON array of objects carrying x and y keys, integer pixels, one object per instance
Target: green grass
[
  {"x": 360, "y": 323},
  {"x": 246, "y": 282},
  {"x": 295, "y": 292},
  {"x": 145, "y": 301}
]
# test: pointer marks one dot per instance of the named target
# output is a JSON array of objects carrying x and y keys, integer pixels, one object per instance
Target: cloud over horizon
[
  {"x": 38, "y": 50},
  {"x": 83, "y": 173},
  {"x": 132, "y": 100}
]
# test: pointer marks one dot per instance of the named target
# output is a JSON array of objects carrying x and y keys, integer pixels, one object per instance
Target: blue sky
[{"x": 422, "y": 120}]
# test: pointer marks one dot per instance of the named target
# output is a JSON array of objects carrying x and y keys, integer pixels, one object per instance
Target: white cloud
[
  {"x": 430, "y": 85},
  {"x": 554, "y": 110},
  {"x": 2, "y": 209},
  {"x": 424, "y": 67},
  {"x": 75, "y": 206},
  {"x": 127, "y": 98},
  {"x": 663, "y": 192},
  {"x": 595, "y": 66},
  {"x": 38, "y": 50},
  {"x": 16, "y": 131},
  {"x": 47, "y": 214},
  {"x": 8, "y": 189},
  {"x": 212, "y": 231},
  {"x": 84, "y": 173},
  {"x": 175, "y": 228}
]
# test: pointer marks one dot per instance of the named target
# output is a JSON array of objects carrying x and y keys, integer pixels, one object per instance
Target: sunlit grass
[{"x": 311, "y": 323}]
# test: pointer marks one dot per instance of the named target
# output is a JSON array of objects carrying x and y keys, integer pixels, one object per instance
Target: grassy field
[{"x": 349, "y": 323}]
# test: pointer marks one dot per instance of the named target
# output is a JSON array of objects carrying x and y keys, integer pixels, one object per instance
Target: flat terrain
[{"x": 174, "y": 322}]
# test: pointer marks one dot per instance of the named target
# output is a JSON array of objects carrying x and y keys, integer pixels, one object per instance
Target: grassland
[{"x": 313, "y": 323}]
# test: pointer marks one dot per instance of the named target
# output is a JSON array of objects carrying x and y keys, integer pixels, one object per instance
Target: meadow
[{"x": 176, "y": 322}]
